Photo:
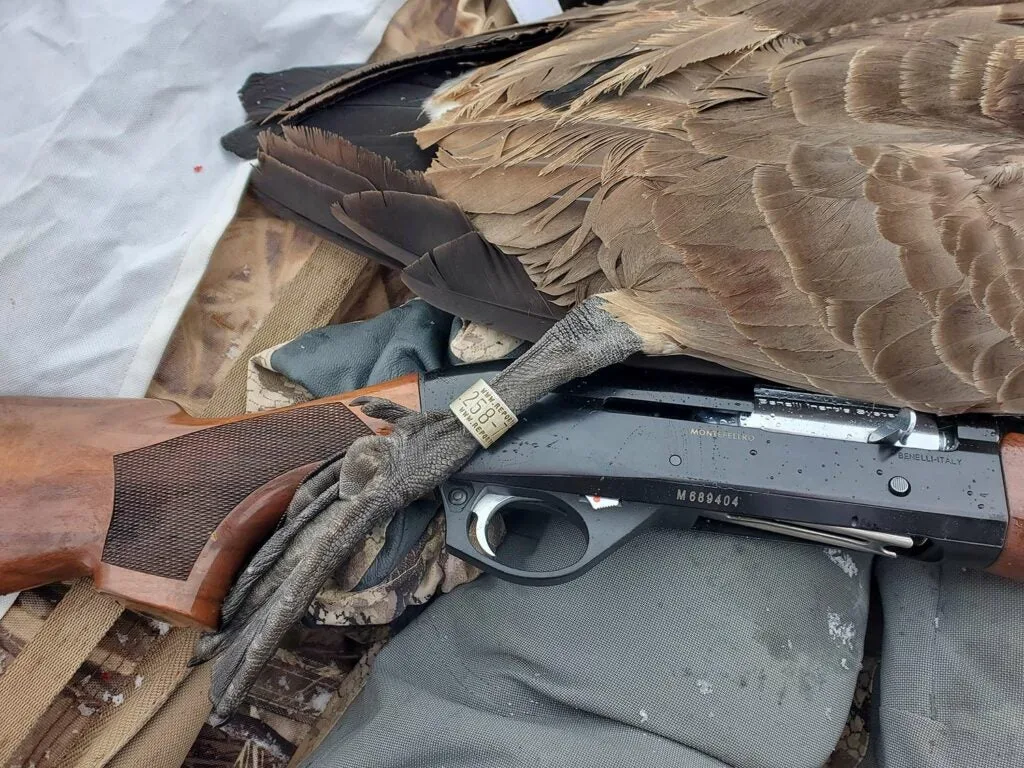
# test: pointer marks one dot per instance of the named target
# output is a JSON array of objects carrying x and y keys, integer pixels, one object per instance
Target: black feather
[
  {"x": 381, "y": 172},
  {"x": 471, "y": 278},
  {"x": 265, "y": 92},
  {"x": 454, "y": 57},
  {"x": 562, "y": 97},
  {"x": 376, "y": 106},
  {"x": 384, "y": 118},
  {"x": 293, "y": 195},
  {"x": 342, "y": 179},
  {"x": 402, "y": 225}
]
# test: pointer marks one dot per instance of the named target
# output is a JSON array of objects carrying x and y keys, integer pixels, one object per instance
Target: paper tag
[{"x": 483, "y": 413}]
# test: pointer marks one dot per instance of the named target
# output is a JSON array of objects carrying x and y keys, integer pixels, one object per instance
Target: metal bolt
[{"x": 458, "y": 496}]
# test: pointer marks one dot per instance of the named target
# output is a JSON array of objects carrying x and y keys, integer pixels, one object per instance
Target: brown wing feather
[{"x": 806, "y": 16}]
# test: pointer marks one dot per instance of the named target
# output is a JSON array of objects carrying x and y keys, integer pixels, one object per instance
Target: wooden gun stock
[
  {"x": 159, "y": 508},
  {"x": 1010, "y": 562}
]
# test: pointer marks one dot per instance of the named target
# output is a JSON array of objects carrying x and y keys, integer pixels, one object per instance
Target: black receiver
[{"x": 628, "y": 448}]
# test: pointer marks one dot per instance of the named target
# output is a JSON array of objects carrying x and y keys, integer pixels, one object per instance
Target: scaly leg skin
[{"x": 340, "y": 504}]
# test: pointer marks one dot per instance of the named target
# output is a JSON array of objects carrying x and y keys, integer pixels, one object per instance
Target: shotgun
[{"x": 161, "y": 509}]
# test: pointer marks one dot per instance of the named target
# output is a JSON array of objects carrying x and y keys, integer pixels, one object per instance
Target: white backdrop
[{"x": 113, "y": 187}]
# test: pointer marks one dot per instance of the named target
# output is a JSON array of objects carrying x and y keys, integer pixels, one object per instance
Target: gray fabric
[
  {"x": 681, "y": 649},
  {"x": 951, "y": 683},
  {"x": 341, "y": 358}
]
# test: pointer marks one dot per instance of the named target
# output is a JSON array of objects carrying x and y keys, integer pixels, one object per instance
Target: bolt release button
[{"x": 899, "y": 486}]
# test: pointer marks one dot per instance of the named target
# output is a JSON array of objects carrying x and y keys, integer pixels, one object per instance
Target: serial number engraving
[
  {"x": 723, "y": 433},
  {"x": 717, "y": 498}
]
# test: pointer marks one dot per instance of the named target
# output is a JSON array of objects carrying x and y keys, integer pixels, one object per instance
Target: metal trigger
[{"x": 483, "y": 511}]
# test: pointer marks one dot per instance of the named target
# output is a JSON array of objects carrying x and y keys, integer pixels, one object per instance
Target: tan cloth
[
  {"x": 420, "y": 24},
  {"x": 253, "y": 267},
  {"x": 255, "y": 260}
]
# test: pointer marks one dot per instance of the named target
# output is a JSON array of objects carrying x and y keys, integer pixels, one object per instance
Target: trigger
[{"x": 483, "y": 511}]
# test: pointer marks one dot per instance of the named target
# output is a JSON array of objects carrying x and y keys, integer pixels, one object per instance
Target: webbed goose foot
[{"x": 341, "y": 503}]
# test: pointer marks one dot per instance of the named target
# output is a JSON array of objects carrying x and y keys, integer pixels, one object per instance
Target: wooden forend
[
  {"x": 57, "y": 492},
  {"x": 1011, "y": 560}
]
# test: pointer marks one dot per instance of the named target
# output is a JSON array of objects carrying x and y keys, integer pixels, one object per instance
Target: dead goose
[{"x": 794, "y": 189}]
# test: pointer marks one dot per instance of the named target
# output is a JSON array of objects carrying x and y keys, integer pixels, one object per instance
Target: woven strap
[
  {"x": 48, "y": 661},
  {"x": 159, "y": 674},
  {"x": 165, "y": 740},
  {"x": 310, "y": 301}
]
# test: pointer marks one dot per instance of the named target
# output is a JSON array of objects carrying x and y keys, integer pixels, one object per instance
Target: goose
[{"x": 825, "y": 195}]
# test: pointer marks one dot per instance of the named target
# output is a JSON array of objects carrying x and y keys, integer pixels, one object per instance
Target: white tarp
[{"x": 113, "y": 187}]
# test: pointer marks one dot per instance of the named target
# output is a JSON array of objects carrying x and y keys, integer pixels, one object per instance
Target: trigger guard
[{"x": 606, "y": 530}]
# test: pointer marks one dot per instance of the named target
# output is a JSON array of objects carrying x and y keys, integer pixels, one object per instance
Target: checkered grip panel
[{"x": 169, "y": 497}]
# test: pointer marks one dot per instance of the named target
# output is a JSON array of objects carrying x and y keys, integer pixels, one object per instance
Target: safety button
[{"x": 899, "y": 486}]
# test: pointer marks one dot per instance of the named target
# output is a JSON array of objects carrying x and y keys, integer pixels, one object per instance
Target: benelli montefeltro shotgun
[{"x": 162, "y": 509}]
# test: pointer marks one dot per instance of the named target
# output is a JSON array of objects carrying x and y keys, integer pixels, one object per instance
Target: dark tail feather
[
  {"x": 353, "y": 197},
  {"x": 364, "y": 202},
  {"x": 294, "y": 195},
  {"x": 471, "y": 278},
  {"x": 379, "y": 171},
  {"x": 384, "y": 118},
  {"x": 381, "y": 119},
  {"x": 263, "y": 93},
  {"x": 446, "y": 61},
  {"x": 378, "y": 106},
  {"x": 299, "y": 156},
  {"x": 411, "y": 224},
  {"x": 321, "y": 178}
]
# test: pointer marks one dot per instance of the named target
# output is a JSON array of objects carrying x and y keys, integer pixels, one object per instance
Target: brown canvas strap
[
  {"x": 158, "y": 675},
  {"x": 165, "y": 739},
  {"x": 47, "y": 662}
]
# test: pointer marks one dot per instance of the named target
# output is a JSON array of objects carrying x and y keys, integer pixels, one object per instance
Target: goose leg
[{"x": 340, "y": 504}]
